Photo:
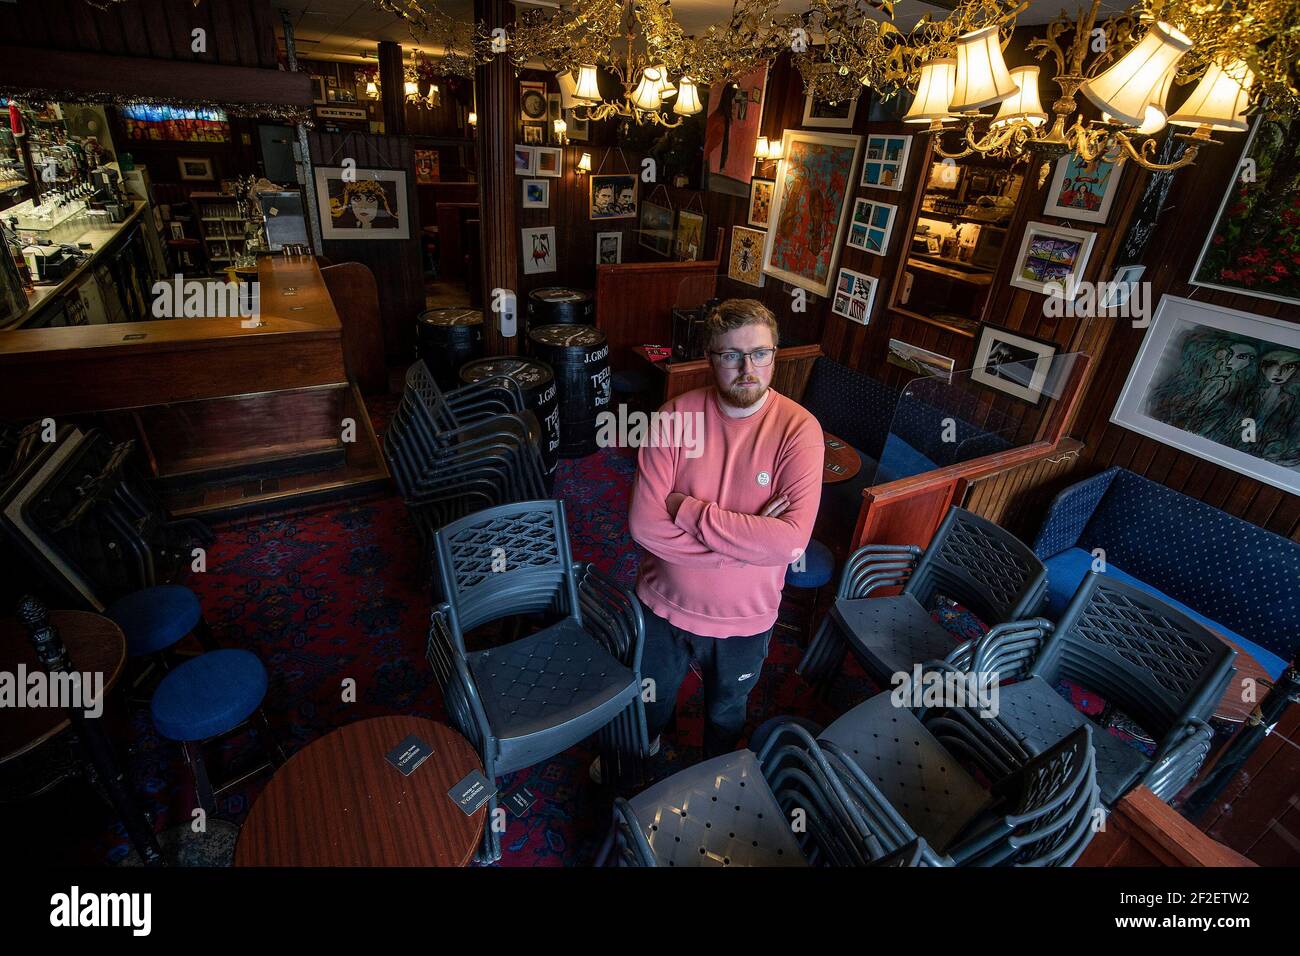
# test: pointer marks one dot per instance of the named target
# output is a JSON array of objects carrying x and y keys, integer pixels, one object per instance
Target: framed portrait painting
[
  {"x": 1052, "y": 259},
  {"x": 810, "y": 207},
  {"x": 1220, "y": 384},
  {"x": 1082, "y": 190},
  {"x": 612, "y": 196},
  {"x": 1012, "y": 363},
  {"x": 745, "y": 261},
  {"x": 368, "y": 204}
]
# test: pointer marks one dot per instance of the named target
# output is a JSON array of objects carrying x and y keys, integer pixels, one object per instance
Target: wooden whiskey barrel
[
  {"x": 537, "y": 381},
  {"x": 579, "y": 356}
]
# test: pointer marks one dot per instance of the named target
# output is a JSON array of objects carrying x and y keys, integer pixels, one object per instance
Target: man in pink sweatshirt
[{"x": 721, "y": 520}]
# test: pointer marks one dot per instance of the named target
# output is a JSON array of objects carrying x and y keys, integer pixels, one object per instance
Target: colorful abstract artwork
[
  {"x": 1254, "y": 247},
  {"x": 854, "y": 295},
  {"x": 1082, "y": 190},
  {"x": 809, "y": 213},
  {"x": 1221, "y": 384},
  {"x": 746, "y": 260},
  {"x": 1052, "y": 259},
  {"x": 871, "y": 226}
]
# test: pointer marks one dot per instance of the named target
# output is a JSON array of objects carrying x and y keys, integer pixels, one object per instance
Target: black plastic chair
[
  {"x": 1040, "y": 811},
  {"x": 787, "y": 805},
  {"x": 538, "y": 695},
  {"x": 971, "y": 561},
  {"x": 1162, "y": 669}
]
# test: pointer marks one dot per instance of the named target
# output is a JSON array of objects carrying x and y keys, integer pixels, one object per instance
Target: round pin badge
[{"x": 764, "y": 478}]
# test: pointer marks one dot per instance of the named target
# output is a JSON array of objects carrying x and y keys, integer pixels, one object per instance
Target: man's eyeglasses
[{"x": 732, "y": 359}]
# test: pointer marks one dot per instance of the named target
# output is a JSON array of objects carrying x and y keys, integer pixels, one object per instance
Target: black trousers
[{"x": 730, "y": 668}]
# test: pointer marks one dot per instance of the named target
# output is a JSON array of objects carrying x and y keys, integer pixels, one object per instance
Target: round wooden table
[
  {"x": 842, "y": 462},
  {"x": 339, "y": 802},
  {"x": 1231, "y": 707},
  {"x": 95, "y": 644}
]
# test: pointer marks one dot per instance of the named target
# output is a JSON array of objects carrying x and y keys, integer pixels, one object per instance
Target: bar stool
[
  {"x": 154, "y": 620},
  {"x": 812, "y": 572},
  {"x": 208, "y": 697}
]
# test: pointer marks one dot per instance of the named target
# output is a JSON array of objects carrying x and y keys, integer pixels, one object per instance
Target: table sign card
[
  {"x": 519, "y": 801},
  {"x": 409, "y": 754},
  {"x": 472, "y": 792}
]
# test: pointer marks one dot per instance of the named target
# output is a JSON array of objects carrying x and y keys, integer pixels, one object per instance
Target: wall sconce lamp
[
  {"x": 767, "y": 151},
  {"x": 584, "y": 164},
  {"x": 561, "y": 131},
  {"x": 472, "y": 119}
]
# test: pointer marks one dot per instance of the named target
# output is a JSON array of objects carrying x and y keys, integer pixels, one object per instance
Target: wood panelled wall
[
  {"x": 1170, "y": 258},
  {"x": 239, "y": 32},
  {"x": 396, "y": 263}
]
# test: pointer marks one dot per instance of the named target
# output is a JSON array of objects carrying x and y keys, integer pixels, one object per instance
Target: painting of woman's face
[
  {"x": 1240, "y": 356},
  {"x": 365, "y": 208},
  {"x": 1278, "y": 367}
]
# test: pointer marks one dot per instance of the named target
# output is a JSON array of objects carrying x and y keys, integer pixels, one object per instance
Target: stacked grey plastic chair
[
  {"x": 536, "y": 696},
  {"x": 1162, "y": 669},
  {"x": 904, "y": 772},
  {"x": 787, "y": 805},
  {"x": 970, "y": 561},
  {"x": 454, "y": 453}
]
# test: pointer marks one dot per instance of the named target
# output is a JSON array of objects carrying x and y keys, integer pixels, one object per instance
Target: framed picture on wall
[
  {"x": 823, "y": 114},
  {"x": 760, "y": 201},
  {"x": 656, "y": 232},
  {"x": 319, "y": 90},
  {"x": 1012, "y": 363},
  {"x": 609, "y": 248},
  {"x": 370, "y": 204},
  {"x": 745, "y": 261},
  {"x": 884, "y": 164},
  {"x": 550, "y": 161},
  {"x": 1082, "y": 190},
  {"x": 1219, "y": 384},
  {"x": 537, "y": 193},
  {"x": 871, "y": 226},
  {"x": 525, "y": 161},
  {"x": 534, "y": 134},
  {"x": 688, "y": 239},
  {"x": 538, "y": 248},
  {"x": 1253, "y": 246},
  {"x": 731, "y": 129},
  {"x": 612, "y": 196},
  {"x": 532, "y": 102},
  {"x": 810, "y": 208},
  {"x": 579, "y": 130},
  {"x": 1052, "y": 259},
  {"x": 854, "y": 296},
  {"x": 919, "y": 361},
  {"x": 428, "y": 166},
  {"x": 195, "y": 169}
]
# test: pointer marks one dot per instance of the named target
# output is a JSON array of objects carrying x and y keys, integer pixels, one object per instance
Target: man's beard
[{"x": 738, "y": 397}]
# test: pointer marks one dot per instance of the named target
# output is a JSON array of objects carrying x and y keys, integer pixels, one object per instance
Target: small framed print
[
  {"x": 688, "y": 241},
  {"x": 1082, "y": 190},
  {"x": 550, "y": 161},
  {"x": 854, "y": 295},
  {"x": 871, "y": 226},
  {"x": 578, "y": 129},
  {"x": 538, "y": 248},
  {"x": 1119, "y": 289},
  {"x": 525, "y": 161},
  {"x": 195, "y": 169},
  {"x": 1052, "y": 259},
  {"x": 656, "y": 232},
  {"x": 885, "y": 163},
  {"x": 532, "y": 102},
  {"x": 1012, "y": 363},
  {"x": 823, "y": 114},
  {"x": 612, "y": 195},
  {"x": 760, "y": 201},
  {"x": 319, "y": 90},
  {"x": 609, "y": 248},
  {"x": 537, "y": 193},
  {"x": 534, "y": 134},
  {"x": 745, "y": 262}
]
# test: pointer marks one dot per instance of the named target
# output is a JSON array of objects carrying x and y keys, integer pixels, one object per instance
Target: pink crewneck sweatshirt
[{"x": 718, "y": 569}]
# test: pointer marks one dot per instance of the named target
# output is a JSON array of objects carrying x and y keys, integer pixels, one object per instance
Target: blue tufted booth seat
[
  {"x": 1226, "y": 573},
  {"x": 895, "y": 436}
]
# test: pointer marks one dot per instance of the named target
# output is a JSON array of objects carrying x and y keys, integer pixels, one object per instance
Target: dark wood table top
[
  {"x": 339, "y": 802},
  {"x": 842, "y": 462},
  {"x": 94, "y": 644},
  {"x": 1231, "y": 707}
]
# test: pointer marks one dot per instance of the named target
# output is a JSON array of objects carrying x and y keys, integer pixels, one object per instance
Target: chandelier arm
[{"x": 1144, "y": 157}]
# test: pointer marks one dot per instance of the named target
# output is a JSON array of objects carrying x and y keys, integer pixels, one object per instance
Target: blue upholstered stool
[
  {"x": 208, "y": 697},
  {"x": 154, "y": 619},
  {"x": 811, "y": 573}
]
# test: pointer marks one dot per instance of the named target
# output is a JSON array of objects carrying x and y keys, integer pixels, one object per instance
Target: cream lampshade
[
  {"x": 982, "y": 78},
  {"x": 688, "y": 98},
  {"x": 588, "y": 89},
  {"x": 1155, "y": 118},
  {"x": 761, "y": 148},
  {"x": 1126, "y": 89},
  {"x": 372, "y": 89},
  {"x": 411, "y": 89},
  {"x": 1024, "y": 106},
  {"x": 646, "y": 95},
  {"x": 472, "y": 119},
  {"x": 934, "y": 93},
  {"x": 666, "y": 89},
  {"x": 1219, "y": 100},
  {"x": 775, "y": 149},
  {"x": 568, "y": 86},
  {"x": 584, "y": 164}
]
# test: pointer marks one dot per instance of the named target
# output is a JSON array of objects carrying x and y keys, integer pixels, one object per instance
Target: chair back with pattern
[
  {"x": 503, "y": 561},
  {"x": 981, "y": 566},
  {"x": 1142, "y": 655}
]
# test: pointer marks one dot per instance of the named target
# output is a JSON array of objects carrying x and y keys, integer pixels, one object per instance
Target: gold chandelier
[{"x": 1129, "y": 82}]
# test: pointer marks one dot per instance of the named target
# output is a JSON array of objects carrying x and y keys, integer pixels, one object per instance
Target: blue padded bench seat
[{"x": 1224, "y": 572}]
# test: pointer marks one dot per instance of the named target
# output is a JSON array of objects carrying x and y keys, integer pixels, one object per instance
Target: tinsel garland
[{"x": 43, "y": 94}]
